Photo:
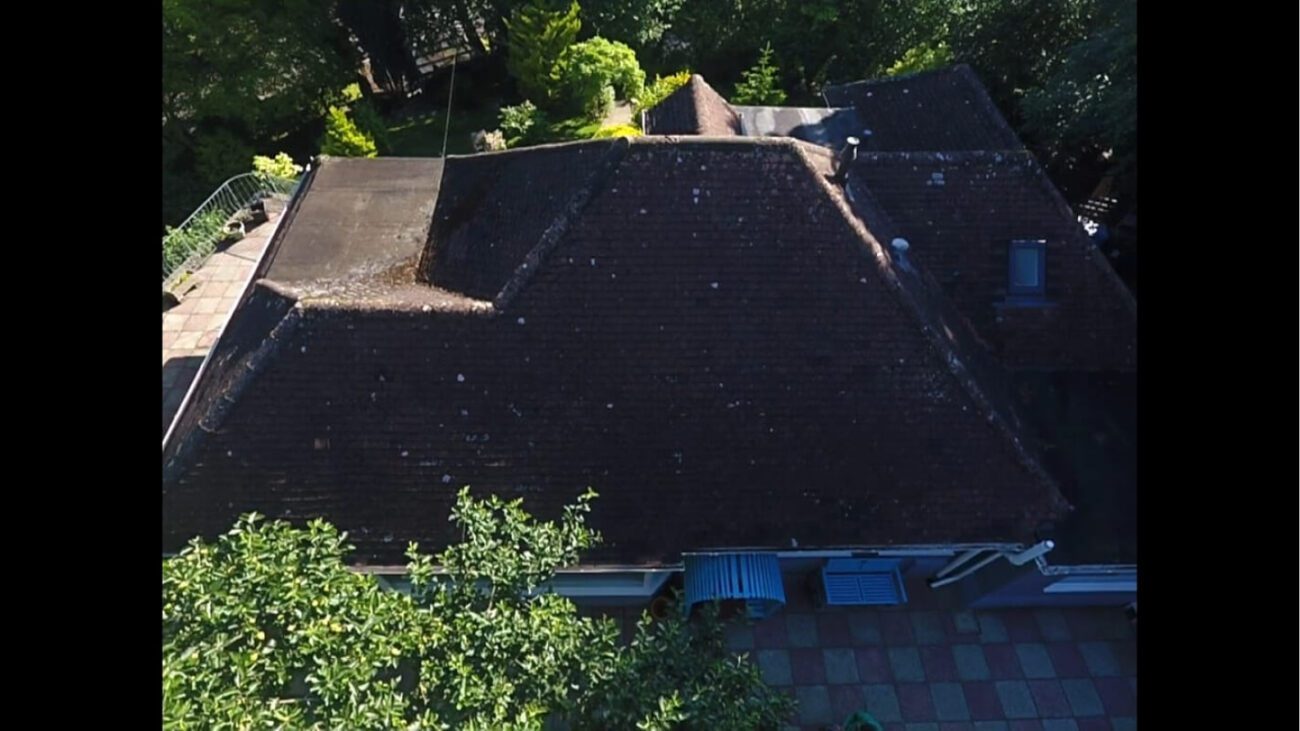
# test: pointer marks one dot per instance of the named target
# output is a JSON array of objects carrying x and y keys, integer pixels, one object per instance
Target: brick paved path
[
  {"x": 190, "y": 328},
  {"x": 929, "y": 669}
]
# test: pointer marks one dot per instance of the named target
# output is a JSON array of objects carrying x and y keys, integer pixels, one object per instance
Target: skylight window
[{"x": 1027, "y": 270}]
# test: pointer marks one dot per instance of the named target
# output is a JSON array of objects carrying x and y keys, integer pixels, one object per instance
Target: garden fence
[{"x": 188, "y": 246}]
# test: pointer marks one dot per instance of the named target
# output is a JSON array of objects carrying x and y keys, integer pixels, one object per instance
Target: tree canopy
[
  {"x": 1090, "y": 101},
  {"x": 267, "y": 626},
  {"x": 241, "y": 75}
]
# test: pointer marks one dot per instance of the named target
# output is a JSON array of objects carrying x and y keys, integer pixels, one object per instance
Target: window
[{"x": 1028, "y": 265}]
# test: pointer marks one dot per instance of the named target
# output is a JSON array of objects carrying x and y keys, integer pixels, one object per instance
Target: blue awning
[{"x": 754, "y": 578}]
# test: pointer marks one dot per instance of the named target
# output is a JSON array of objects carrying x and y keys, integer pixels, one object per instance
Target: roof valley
[{"x": 560, "y": 226}]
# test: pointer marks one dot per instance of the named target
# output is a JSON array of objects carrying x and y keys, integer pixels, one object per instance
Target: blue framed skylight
[{"x": 1027, "y": 269}]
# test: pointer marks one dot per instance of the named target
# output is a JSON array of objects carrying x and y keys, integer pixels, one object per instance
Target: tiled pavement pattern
[
  {"x": 191, "y": 327},
  {"x": 937, "y": 670},
  {"x": 921, "y": 669}
]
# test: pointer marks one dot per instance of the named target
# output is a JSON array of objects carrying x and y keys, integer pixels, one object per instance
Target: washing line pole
[{"x": 446, "y": 128}]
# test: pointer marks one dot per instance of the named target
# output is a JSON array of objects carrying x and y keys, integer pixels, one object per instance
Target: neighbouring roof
[
  {"x": 821, "y": 126},
  {"x": 694, "y": 109},
  {"x": 942, "y": 110},
  {"x": 702, "y": 330},
  {"x": 960, "y": 211}
]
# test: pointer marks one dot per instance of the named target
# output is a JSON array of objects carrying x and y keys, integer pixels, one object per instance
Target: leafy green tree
[
  {"x": 921, "y": 58},
  {"x": 679, "y": 675},
  {"x": 761, "y": 84},
  {"x": 597, "y": 71},
  {"x": 1016, "y": 45},
  {"x": 343, "y": 138},
  {"x": 639, "y": 23},
  {"x": 219, "y": 154},
  {"x": 1090, "y": 103},
  {"x": 269, "y": 66},
  {"x": 540, "y": 34},
  {"x": 267, "y": 627}
]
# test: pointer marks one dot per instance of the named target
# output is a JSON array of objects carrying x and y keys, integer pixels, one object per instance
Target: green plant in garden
[
  {"x": 343, "y": 138},
  {"x": 267, "y": 627},
  {"x": 521, "y": 122},
  {"x": 617, "y": 130},
  {"x": 539, "y": 35},
  {"x": 921, "y": 58},
  {"x": 202, "y": 233},
  {"x": 656, "y": 92},
  {"x": 281, "y": 166},
  {"x": 351, "y": 93},
  {"x": 371, "y": 123},
  {"x": 597, "y": 71},
  {"x": 678, "y": 674},
  {"x": 761, "y": 83}
]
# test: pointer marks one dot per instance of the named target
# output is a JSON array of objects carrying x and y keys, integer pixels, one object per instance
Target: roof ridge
[
  {"x": 956, "y": 368},
  {"x": 993, "y": 155},
  {"x": 560, "y": 226},
  {"x": 986, "y": 101},
  {"x": 880, "y": 80},
  {"x": 528, "y": 149}
]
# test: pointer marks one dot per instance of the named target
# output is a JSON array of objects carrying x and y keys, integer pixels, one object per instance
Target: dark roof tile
[
  {"x": 942, "y": 110},
  {"x": 960, "y": 211},
  {"x": 694, "y": 109},
  {"x": 714, "y": 342}
]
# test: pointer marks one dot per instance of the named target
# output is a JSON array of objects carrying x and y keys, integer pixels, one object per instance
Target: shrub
[
  {"x": 761, "y": 84},
  {"x": 203, "y": 233},
  {"x": 921, "y": 58},
  {"x": 351, "y": 93},
  {"x": 281, "y": 166},
  {"x": 618, "y": 130},
  {"x": 538, "y": 38},
  {"x": 662, "y": 87},
  {"x": 343, "y": 139},
  {"x": 521, "y": 123},
  {"x": 369, "y": 121},
  {"x": 597, "y": 71}
]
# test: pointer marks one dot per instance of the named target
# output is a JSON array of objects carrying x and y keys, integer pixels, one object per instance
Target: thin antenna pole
[{"x": 446, "y": 129}]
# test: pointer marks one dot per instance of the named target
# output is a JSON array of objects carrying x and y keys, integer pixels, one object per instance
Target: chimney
[{"x": 847, "y": 156}]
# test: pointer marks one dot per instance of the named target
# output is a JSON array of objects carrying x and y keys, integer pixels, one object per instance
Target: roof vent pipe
[{"x": 847, "y": 156}]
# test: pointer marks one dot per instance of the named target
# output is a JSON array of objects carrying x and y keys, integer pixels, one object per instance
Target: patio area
[
  {"x": 208, "y": 297},
  {"x": 926, "y": 668}
]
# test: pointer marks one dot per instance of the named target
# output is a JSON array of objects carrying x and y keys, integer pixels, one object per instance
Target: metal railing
[{"x": 188, "y": 246}]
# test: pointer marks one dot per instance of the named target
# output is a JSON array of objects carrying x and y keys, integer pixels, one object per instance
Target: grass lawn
[
  {"x": 572, "y": 129},
  {"x": 420, "y": 135}
]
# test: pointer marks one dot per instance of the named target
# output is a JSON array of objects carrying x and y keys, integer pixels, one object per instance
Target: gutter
[
  {"x": 927, "y": 550},
  {"x": 248, "y": 284}
]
